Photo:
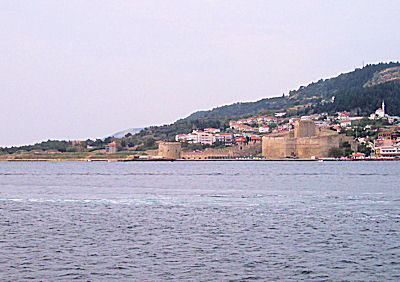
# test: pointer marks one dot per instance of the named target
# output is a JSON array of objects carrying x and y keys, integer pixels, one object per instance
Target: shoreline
[{"x": 190, "y": 160}]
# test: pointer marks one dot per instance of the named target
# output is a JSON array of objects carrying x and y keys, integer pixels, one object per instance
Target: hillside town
[
  {"x": 278, "y": 135},
  {"x": 378, "y": 135}
]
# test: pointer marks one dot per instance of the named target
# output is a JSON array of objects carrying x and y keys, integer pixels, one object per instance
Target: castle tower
[
  {"x": 304, "y": 128},
  {"x": 170, "y": 150}
]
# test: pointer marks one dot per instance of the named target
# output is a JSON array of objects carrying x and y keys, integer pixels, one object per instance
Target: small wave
[{"x": 107, "y": 201}]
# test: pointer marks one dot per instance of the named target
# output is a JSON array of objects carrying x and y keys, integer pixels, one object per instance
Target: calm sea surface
[{"x": 200, "y": 221}]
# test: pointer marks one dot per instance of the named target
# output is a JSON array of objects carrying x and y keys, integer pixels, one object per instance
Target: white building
[
  {"x": 263, "y": 129},
  {"x": 280, "y": 114},
  {"x": 379, "y": 113},
  {"x": 212, "y": 130},
  {"x": 306, "y": 118},
  {"x": 197, "y": 136},
  {"x": 390, "y": 151},
  {"x": 345, "y": 123},
  {"x": 204, "y": 137},
  {"x": 225, "y": 138}
]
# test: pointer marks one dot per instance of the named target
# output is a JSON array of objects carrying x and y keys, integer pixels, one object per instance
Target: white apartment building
[{"x": 263, "y": 129}]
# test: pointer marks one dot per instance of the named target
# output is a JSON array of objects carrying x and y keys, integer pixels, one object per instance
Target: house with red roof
[{"x": 111, "y": 148}]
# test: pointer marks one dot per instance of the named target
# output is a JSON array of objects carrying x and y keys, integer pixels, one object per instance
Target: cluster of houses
[
  {"x": 388, "y": 143},
  {"x": 212, "y": 135},
  {"x": 272, "y": 124},
  {"x": 253, "y": 128}
]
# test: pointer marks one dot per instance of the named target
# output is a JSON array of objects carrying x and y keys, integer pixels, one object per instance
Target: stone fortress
[
  {"x": 306, "y": 141},
  {"x": 170, "y": 150}
]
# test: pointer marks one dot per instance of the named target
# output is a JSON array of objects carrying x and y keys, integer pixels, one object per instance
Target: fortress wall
[
  {"x": 170, "y": 150},
  {"x": 251, "y": 149},
  {"x": 152, "y": 153},
  {"x": 306, "y": 141},
  {"x": 307, "y": 147},
  {"x": 316, "y": 146},
  {"x": 278, "y": 147}
]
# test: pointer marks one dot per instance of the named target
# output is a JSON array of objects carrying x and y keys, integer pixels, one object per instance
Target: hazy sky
[{"x": 79, "y": 69}]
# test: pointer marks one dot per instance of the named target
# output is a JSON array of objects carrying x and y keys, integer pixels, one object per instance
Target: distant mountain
[{"x": 122, "y": 133}]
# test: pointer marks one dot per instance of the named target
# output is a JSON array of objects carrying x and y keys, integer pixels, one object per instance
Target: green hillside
[
  {"x": 313, "y": 93},
  {"x": 360, "y": 91},
  {"x": 386, "y": 75}
]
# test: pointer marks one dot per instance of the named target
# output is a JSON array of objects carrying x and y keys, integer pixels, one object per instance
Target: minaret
[{"x": 383, "y": 107}]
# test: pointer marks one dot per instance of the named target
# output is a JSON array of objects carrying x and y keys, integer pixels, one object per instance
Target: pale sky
[{"x": 86, "y": 69}]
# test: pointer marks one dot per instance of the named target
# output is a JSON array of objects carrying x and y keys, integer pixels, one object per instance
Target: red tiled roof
[{"x": 358, "y": 154}]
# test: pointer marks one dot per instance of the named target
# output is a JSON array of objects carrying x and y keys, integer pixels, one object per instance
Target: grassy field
[{"x": 67, "y": 156}]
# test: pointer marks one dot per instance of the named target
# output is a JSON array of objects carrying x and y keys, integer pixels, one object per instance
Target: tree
[
  {"x": 149, "y": 142},
  {"x": 346, "y": 148},
  {"x": 362, "y": 148},
  {"x": 335, "y": 152}
]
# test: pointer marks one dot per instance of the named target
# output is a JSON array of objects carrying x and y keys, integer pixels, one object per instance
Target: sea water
[{"x": 200, "y": 220}]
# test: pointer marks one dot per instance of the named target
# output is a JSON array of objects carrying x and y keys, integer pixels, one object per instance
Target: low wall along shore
[{"x": 251, "y": 149}]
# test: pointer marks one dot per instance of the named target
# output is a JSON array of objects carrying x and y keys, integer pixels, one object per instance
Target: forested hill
[
  {"x": 315, "y": 92},
  {"x": 360, "y": 92}
]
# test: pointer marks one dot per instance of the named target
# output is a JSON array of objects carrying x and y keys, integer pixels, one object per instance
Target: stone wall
[
  {"x": 304, "y": 128},
  {"x": 170, "y": 150},
  {"x": 251, "y": 149},
  {"x": 277, "y": 147}
]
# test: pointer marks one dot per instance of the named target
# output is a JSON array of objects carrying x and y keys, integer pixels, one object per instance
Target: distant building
[
  {"x": 285, "y": 127},
  {"x": 212, "y": 130},
  {"x": 280, "y": 114},
  {"x": 263, "y": 129},
  {"x": 197, "y": 136},
  {"x": 205, "y": 138},
  {"x": 379, "y": 113},
  {"x": 240, "y": 139},
  {"x": 256, "y": 139},
  {"x": 242, "y": 127},
  {"x": 388, "y": 152},
  {"x": 306, "y": 141},
  {"x": 111, "y": 148},
  {"x": 388, "y": 143},
  {"x": 306, "y": 118},
  {"x": 225, "y": 138},
  {"x": 170, "y": 150},
  {"x": 343, "y": 115},
  {"x": 357, "y": 156},
  {"x": 270, "y": 120},
  {"x": 345, "y": 123}
]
